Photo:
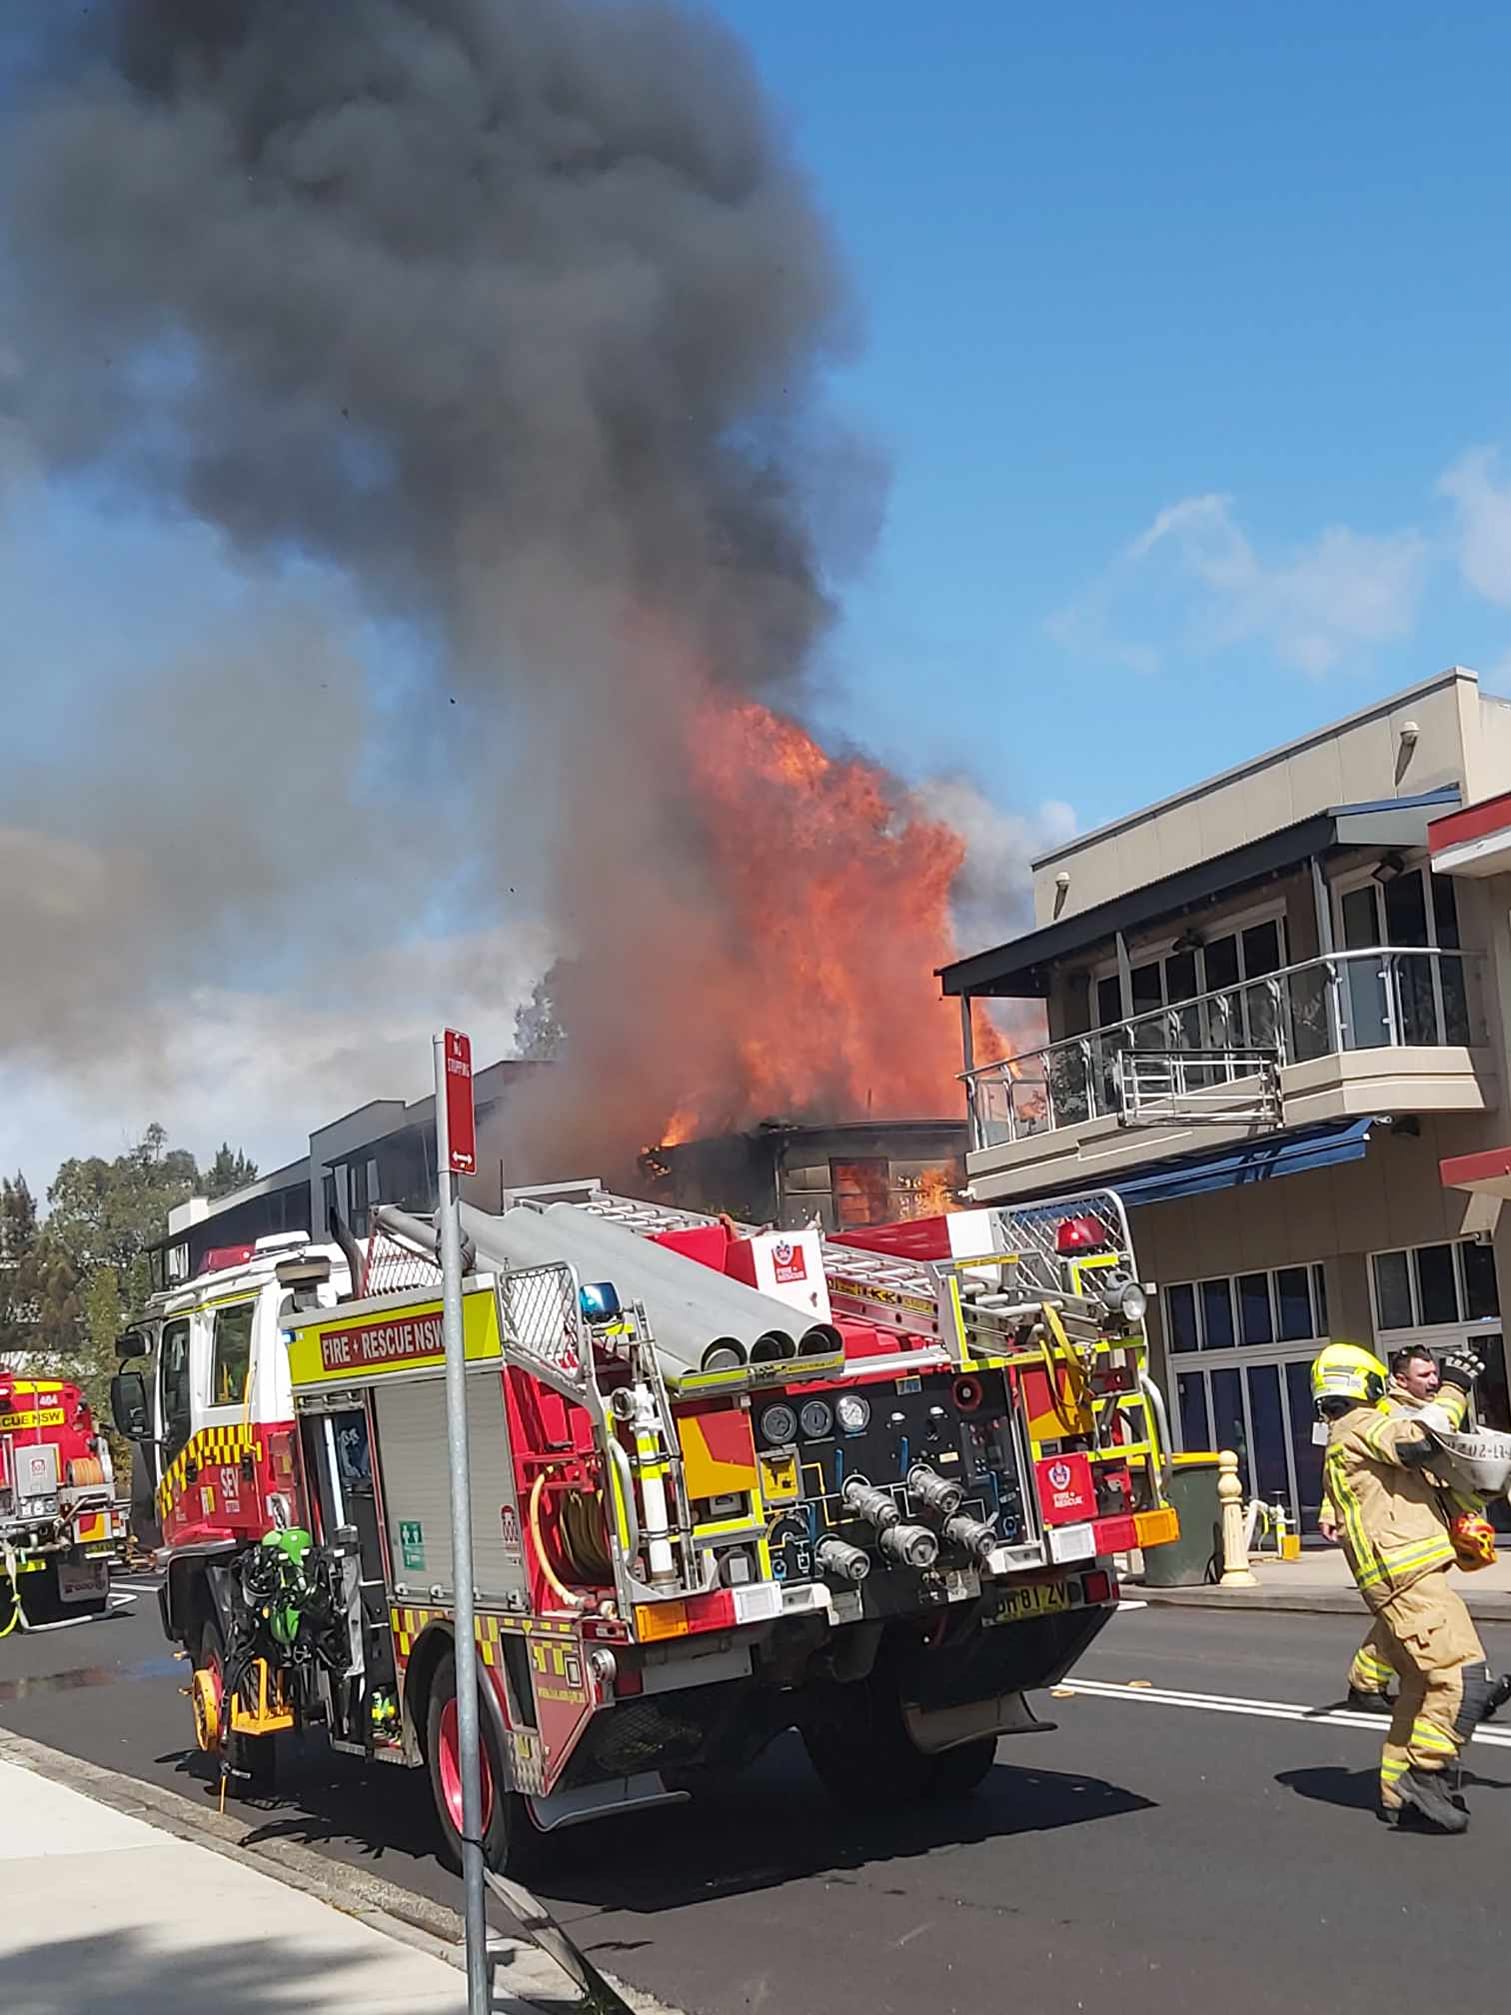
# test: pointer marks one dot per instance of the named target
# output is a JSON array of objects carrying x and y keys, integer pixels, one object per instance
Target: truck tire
[
  {"x": 866, "y": 1760},
  {"x": 253, "y": 1759},
  {"x": 512, "y": 1843}
]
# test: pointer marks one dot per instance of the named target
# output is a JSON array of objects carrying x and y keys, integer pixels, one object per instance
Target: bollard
[{"x": 1235, "y": 1552}]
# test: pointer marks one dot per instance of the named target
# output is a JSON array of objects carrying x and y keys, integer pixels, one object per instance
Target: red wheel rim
[{"x": 451, "y": 1770}]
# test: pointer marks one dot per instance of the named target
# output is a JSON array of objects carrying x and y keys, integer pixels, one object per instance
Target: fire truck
[
  {"x": 59, "y": 1527},
  {"x": 725, "y": 1481}
]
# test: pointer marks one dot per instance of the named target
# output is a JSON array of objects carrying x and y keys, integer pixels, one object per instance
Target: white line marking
[
  {"x": 1124, "y": 1604},
  {"x": 1268, "y": 1710}
]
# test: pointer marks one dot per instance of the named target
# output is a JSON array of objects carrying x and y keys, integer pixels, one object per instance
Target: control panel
[{"x": 908, "y": 1472}]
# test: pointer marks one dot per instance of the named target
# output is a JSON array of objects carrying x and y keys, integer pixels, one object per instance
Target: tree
[
  {"x": 538, "y": 1030},
  {"x": 18, "y": 1238},
  {"x": 230, "y": 1170},
  {"x": 106, "y": 1213}
]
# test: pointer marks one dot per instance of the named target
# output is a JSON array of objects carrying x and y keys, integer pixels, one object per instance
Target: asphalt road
[{"x": 1190, "y": 1828}]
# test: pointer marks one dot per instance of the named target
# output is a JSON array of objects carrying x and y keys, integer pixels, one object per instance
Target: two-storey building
[{"x": 1275, "y": 1009}]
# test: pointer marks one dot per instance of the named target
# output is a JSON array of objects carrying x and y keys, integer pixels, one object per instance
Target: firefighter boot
[
  {"x": 1372, "y": 1702},
  {"x": 1425, "y": 1803}
]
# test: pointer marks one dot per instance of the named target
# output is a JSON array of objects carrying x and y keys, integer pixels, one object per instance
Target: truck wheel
[
  {"x": 960, "y": 1771},
  {"x": 252, "y": 1758},
  {"x": 866, "y": 1760},
  {"x": 512, "y": 1843},
  {"x": 40, "y": 1599}
]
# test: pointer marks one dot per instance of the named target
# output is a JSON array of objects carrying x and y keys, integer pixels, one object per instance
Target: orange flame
[{"x": 836, "y": 889}]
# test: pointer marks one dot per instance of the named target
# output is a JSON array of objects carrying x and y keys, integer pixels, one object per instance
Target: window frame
[{"x": 216, "y": 1312}]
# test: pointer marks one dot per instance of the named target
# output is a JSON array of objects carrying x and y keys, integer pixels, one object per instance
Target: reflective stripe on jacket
[{"x": 1391, "y": 1518}]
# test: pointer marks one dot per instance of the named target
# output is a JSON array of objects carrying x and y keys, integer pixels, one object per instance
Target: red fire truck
[
  {"x": 725, "y": 1481},
  {"x": 59, "y": 1527}
]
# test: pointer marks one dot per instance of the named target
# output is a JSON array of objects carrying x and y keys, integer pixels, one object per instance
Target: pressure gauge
[
  {"x": 853, "y": 1413},
  {"x": 818, "y": 1419},
  {"x": 778, "y": 1425}
]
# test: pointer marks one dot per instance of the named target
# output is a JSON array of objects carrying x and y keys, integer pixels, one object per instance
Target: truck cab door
[{"x": 171, "y": 1425}]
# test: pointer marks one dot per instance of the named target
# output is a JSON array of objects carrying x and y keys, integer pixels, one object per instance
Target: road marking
[{"x": 1143, "y": 1693}]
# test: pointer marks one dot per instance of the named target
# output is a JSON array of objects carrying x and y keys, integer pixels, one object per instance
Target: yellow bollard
[{"x": 1235, "y": 1552}]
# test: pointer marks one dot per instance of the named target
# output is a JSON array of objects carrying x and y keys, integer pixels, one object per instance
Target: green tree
[
  {"x": 230, "y": 1170},
  {"x": 106, "y": 1213},
  {"x": 18, "y": 1239}
]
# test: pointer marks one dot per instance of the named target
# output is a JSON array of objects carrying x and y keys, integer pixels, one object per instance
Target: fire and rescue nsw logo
[
  {"x": 368, "y": 1345},
  {"x": 1066, "y": 1491},
  {"x": 788, "y": 1262}
]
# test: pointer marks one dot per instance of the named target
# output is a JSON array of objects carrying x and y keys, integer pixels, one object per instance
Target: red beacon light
[{"x": 1079, "y": 1234}]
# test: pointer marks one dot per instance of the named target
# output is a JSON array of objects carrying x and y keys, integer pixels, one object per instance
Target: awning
[
  {"x": 1256, "y": 1161},
  {"x": 1024, "y": 968},
  {"x": 1484, "y": 1174}
]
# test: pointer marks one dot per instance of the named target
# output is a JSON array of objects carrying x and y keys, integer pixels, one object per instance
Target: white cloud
[
  {"x": 1194, "y": 579},
  {"x": 1483, "y": 513},
  {"x": 261, "y": 1070}
]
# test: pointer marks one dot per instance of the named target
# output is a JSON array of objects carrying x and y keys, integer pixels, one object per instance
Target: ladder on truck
[{"x": 892, "y": 1294}]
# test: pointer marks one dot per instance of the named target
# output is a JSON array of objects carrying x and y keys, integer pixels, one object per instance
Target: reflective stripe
[
  {"x": 1392, "y": 1768},
  {"x": 1454, "y": 1401},
  {"x": 1366, "y": 1562},
  {"x": 1370, "y": 1667},
  {"x": 1421, "y": 1553}
]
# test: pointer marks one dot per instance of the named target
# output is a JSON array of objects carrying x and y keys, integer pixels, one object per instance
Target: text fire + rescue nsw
[{"x": 382, "y": 1343}]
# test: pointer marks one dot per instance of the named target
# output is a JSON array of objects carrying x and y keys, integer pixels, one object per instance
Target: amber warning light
[{"x": 461, "y": 1122}]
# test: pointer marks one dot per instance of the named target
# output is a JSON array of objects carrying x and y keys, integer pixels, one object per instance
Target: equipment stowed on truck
[
  {"x": 724, "y": 1482},
  {"x": 59, "y": 1527}
]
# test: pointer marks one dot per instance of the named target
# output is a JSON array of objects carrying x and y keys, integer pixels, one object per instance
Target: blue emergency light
[{"x": 599, "y": 1301}]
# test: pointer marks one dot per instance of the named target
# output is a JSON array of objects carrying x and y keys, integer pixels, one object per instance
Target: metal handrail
[
  {"x": 1152, "y": 1015},
  {"x": 1290, "y": 1028}
]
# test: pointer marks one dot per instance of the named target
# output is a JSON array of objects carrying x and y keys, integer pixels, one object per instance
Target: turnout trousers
[
  {"x": 1429, "y": 1639},
  {"x": 1372, "y": 1670}
]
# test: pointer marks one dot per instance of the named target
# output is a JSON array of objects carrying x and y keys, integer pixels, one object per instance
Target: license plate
[
  {"x": 1041, "y": 1598},
  {"x": 83, "y": 1583}
]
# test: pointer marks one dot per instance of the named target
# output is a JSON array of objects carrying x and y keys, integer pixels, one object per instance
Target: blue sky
[
  {"x": 1186, "y": 340},
  {"x": 1117, "y": 260}
]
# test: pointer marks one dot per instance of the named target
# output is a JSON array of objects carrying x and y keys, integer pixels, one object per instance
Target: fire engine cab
[
  {"x": 725, "y": 1482},
  {"x": 59, "y": 1527}
]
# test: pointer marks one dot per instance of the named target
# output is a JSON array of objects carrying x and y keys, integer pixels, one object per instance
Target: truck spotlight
[
  {"x": 940, "y": 1493},
  {"x": 910, "y": 1545}
]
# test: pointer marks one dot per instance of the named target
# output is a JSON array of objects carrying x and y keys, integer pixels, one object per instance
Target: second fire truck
[{"x": 725, "y": 1482}]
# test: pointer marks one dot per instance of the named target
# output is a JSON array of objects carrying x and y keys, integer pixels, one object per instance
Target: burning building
[{"x": 843, "y": 1175}]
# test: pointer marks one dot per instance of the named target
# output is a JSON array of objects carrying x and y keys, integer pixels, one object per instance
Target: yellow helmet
[{"x": 1350, "y": 1372}]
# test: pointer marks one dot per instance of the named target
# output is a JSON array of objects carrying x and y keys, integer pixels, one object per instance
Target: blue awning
[{"x": 1257, "y": 1161}]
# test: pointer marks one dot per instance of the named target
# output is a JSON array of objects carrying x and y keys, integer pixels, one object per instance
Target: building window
[
  {"x": 1244, "y": 953},
  {"x": 1435, "y": 1286},
  {"x": 1252, "y": 1311}
]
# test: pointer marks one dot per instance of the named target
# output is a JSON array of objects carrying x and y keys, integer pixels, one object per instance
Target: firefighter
[
  {"x": 1395, "y": 1529},
  {"x": 1414, "y": 1382}
]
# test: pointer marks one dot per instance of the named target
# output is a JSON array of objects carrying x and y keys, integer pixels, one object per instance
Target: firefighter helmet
[
  {"x": 1347, "y": 1371},
  {"x": 1473, "y": 1540}
]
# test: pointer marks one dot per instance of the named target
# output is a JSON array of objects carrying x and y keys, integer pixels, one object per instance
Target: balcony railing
[{"x": 1216, "y": 1058}]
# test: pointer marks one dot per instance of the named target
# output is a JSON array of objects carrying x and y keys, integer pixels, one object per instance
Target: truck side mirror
[
  {"x": 128, "y": 1405},
  {"x": 132, "y": 1343}
]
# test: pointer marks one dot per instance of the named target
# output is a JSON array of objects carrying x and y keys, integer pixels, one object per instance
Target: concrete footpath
[
  {"x": 1319, "y": 1583},
  {"x": 112, "y": 1904}
]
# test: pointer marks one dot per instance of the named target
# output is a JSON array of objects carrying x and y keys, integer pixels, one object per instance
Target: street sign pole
[{"x": 456, "y": 1155}]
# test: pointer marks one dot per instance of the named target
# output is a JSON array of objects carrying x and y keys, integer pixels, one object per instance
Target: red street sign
[{"x": 461, "y": 1123}]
